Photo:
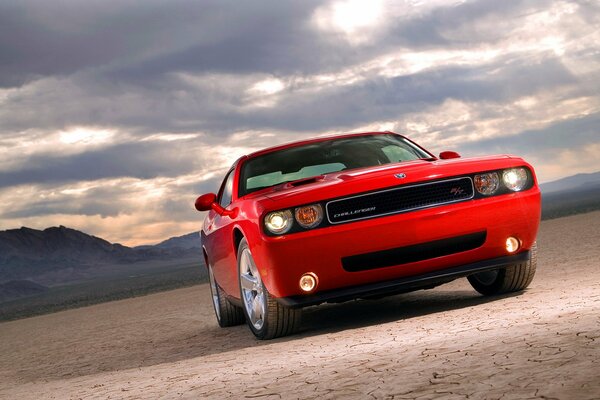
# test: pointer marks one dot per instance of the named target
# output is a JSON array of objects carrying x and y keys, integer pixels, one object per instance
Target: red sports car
[{"x": 362, "y": 216}]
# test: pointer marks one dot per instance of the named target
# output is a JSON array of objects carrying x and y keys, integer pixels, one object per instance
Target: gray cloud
[
  {"x": 39, "y": 38},
  {"x": 112, "y": 200},
  {"x": 87, "y": 206},
  {"x": 128, "y": 56},
  {"x": 393, "y": 98},
  {"x": 573, "y": 133},
  {"x": 126, "y": 41},
  {"x": 171, "y": 106},
  {"x": 143, "y": 160}
]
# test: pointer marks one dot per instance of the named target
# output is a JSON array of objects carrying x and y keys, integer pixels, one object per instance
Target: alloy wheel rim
[
  {"x": 213, "y": 291},
  {"x": 253, "y": 295}
]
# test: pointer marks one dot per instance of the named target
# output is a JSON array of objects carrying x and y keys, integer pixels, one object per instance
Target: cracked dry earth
[{"x": 443, "y": 343}]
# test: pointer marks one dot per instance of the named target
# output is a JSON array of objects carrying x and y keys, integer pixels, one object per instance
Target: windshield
[{"x": 324, "y": 157}]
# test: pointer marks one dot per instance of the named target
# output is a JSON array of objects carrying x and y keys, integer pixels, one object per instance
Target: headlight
[
  {"x": 487, "y": 184},
  {"x": 515, "y": 179},
  {"x": 279, "y": 222},
  {"x": 309, "y": 216}
]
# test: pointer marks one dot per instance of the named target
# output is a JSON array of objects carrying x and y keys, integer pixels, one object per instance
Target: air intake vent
[
  {"x": 414, "y": 253},
  {"x": 305, "y": 181}
]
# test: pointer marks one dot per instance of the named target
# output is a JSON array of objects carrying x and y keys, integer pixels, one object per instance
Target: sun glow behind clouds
[
  {"x": 86, "y": 136},
  {"x": 268, "y": 86},
  {"x": 171, "y": 137},
  {"x": 352, "y": 15},
  {"x": 356, "y": 19},
  {"x": 262, "y": 93}
]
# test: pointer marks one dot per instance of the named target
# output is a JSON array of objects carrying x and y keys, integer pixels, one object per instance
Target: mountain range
[
  {"x": 574, "y": 182},
  {"x": 189, "y": 241},
  {"x": 572, "y": 195},
  {"x": 60, "y": 255}
]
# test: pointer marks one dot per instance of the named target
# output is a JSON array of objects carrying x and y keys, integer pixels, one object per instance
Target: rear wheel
[
  {"x": 227, "y": 314},
  {"x": 510, "y": 279},
  {"x": 266, "y": 318}
]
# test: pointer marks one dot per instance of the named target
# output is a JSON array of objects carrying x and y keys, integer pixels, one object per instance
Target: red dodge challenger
[{"x": 362, "y": 216}]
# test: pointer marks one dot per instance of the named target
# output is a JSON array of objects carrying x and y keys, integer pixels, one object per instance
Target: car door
[{"x": 221, "y": 237}]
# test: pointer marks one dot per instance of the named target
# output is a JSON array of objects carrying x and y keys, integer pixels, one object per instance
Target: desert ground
[{"x": 448, "y": 342}]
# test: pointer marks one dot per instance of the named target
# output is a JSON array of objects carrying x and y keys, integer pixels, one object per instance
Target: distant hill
[
  {"x": 571, "y": 195},
  {"x": 22, "y": 288},
  {"x": 579, "y": 181},
  {"x": 571, "y": 201},
  {"x": 189, "y": 241},
  {"x": 59, "y": 255},
  {"x": 59, "y": 268},
  {"x": 24, "y": 246}
]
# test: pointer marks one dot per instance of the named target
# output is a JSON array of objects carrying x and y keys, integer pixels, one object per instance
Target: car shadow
[
  {"x": 189, "y": 341},
  {"x": 332, "y": 318}
]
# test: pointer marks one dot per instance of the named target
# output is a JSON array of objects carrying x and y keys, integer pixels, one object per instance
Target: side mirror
[
  {"x": 447, "y": 155},
  {"x": 208, "y": 202},
  {"x": 205, "y": 202}
]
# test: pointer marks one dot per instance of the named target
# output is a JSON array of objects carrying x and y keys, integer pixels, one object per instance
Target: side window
[{"x": 226, "y": 190}]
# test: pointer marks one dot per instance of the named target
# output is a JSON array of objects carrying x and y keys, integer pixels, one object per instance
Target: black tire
[
  {"x": 510, "y": 279},
  {"x": 227, "y": 314},
  {"x": 268, "y": 322}
]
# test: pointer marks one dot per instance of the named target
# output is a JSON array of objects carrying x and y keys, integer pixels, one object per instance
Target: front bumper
[
  {"x": 283, "y": 260},
  {"x": 402, "y": 285}
]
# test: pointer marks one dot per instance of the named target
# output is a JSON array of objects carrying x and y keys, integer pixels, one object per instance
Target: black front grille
[
  {"x": 414, "y": 253},
  {"x": 400, "y": 199}
]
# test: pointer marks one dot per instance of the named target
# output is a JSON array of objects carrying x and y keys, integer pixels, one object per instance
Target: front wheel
[
  {"x": 510, "y": 279},
  {"x": 227, "y": 314},
  {"x": 266, "y": 318}
]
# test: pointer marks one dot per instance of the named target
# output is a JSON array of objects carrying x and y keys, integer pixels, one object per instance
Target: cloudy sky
[{"x": 115, "y": 115}]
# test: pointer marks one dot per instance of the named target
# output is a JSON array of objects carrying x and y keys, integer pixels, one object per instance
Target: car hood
[{"x": 344, "y": 183}]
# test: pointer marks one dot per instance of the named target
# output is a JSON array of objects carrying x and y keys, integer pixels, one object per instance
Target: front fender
[{"x": 254, "y": 237}]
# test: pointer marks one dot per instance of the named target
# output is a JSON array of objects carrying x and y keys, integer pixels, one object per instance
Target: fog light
[
  {"x": 308, "y": 282},
  {"x": 512, "y": 244}
]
